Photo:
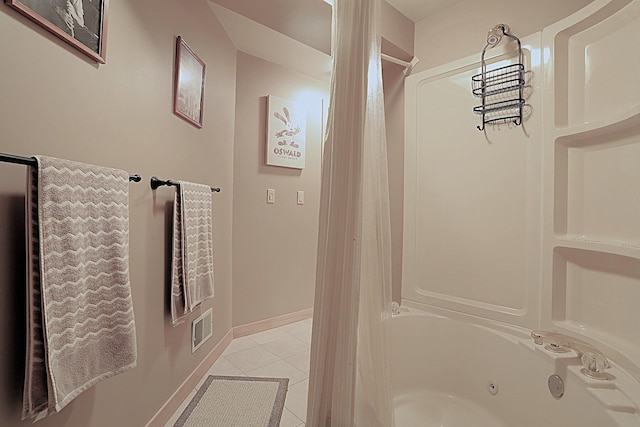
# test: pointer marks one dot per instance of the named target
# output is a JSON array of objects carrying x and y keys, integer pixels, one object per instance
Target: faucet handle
[{"x": 594, "y": 364}]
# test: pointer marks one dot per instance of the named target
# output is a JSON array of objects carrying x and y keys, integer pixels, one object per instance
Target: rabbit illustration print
[{"x": 286, "y": 122}]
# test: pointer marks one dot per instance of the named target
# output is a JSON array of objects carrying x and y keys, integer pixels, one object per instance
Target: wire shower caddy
[{"x": 500, "y": 89}]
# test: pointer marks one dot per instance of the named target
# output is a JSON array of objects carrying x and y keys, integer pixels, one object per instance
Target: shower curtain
[{"x": 349, "y": 380}]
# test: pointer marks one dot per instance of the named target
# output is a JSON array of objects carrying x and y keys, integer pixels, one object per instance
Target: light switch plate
[
  {"x": 301, "y": 197},
  {"x": 271, "y": 195}
]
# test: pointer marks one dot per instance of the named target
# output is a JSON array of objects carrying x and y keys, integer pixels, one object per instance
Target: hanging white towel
[
  {"x": 192, "y": 261},
  {"x": 80, "y": 314}
]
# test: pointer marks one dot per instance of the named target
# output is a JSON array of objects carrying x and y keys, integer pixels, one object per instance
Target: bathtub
[{"x": 452, "y": 371}]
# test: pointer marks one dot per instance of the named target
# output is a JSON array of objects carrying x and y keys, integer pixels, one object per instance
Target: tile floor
[{"x": 279, "y": 352}]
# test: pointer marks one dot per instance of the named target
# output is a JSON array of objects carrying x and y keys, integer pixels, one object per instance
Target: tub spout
[{"x": 593, "y": 361}]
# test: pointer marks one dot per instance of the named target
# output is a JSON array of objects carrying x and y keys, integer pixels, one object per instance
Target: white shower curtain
[{"x": 349, "y": 380}]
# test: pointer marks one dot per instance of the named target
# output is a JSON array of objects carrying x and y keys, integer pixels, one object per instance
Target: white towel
[
  {"x": 80, "y": 322},
  {"x": 192, "y": 261}
]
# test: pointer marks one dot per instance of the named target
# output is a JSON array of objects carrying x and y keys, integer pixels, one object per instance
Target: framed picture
[
  {"x": 188, "y": 95},
  {"x": 286, "y": 133},
  {"x": 80, "y": 23}
]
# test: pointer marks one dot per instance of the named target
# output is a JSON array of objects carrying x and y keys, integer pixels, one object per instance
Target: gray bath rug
[{"x": 236, "y": 402}]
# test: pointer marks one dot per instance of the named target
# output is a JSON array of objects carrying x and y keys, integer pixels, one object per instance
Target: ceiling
[
  {"x": 417, "y": 10},
  {"x": 283, "y": 31}
]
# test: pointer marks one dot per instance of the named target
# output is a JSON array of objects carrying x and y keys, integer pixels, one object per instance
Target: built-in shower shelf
[
  {"x": 613, "y": 122},
  {"x": 591, "y": 65},
  {"x": 630, "y": 249},
  {"x": 597, "y": 183}
]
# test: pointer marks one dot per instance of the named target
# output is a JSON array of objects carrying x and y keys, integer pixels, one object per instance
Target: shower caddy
[{"x": 500, "y": 89}]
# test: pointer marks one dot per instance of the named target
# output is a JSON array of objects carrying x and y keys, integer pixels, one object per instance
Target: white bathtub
[{"x": 444, "y": 371}]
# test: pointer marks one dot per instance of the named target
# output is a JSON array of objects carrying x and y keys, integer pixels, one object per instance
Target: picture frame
[
  {"x": 188, "y": 96},
  {"x": 286, "y": 133},
  {"x": 80, "y": 23}
]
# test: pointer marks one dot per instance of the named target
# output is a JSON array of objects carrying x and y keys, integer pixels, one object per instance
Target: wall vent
[{"x": 201, "y": 330}]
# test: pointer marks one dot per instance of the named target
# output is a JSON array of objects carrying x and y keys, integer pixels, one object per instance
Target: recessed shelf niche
[
  {"x": 594, "y": 80},
  {"x": 597, "y": 294},
  {"x": 597, "y": 185}
]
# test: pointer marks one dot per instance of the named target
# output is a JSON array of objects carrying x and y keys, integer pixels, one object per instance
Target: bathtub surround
[
  {"x": 192, "y": 261},
  {"x": 349, "y": 375},
  {"x": 543, "y": 216},
  {"x": 80, "y": 323}
]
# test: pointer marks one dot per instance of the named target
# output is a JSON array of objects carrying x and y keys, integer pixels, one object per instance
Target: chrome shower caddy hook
[{"x": 500, "y": 89}]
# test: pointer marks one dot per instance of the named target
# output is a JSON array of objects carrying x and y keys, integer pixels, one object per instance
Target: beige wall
[
  {"x": 393, "y": 81},
  {"x": 274, "y": 245},
  {"x": 56, "y": 102},
  {"x": 461, "y": 29},
  {"x": 397, "y": 32}
]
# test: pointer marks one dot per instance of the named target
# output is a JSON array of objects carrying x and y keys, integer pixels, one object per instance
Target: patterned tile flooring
[{"x": 279, "y": 352}]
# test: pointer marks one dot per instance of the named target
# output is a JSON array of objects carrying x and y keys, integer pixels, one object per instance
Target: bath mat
[{"x": 236, "y": 402}]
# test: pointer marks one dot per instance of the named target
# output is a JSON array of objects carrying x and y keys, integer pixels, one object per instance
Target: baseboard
[
  {"x": 273, "y": 322},
  {"x": 173, "y": 403}
]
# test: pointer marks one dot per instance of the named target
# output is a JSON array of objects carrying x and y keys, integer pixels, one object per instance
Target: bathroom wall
[
  {"x": 393, "y": 81},
  {"x": 56, "y": 102},
  {"x": 274, "y": 245},
  {"x": 278, "y": 32},
  {"x": 397, "y": 41}
]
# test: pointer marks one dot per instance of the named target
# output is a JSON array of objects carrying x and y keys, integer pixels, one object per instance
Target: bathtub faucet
[{"x": 593, "y": 361}]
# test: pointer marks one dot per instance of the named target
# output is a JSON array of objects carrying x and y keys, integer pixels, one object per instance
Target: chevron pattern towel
[
  {"x": 192, "y": 265},
  {"x": 80, "y": 322}
]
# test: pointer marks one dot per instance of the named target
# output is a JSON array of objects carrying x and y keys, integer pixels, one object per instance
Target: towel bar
[
  {"x": 156, "y": 182},
  {"x": 31, "y": 161}
]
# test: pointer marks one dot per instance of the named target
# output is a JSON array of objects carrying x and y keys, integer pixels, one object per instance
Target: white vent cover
[{"x": 201, "y": 330}]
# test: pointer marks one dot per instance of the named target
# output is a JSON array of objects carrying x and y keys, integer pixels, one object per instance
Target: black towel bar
[
  {"x": 156, "y": 182},
  {"x": 31, "y": 161}
]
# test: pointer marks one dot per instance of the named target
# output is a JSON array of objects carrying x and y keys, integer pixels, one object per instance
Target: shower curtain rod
[
  {"x": 408, "y": 66},
  {"x": 31, "y": 161}
]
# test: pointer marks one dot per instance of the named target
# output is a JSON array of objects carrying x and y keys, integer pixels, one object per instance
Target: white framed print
[{"x": 286, "y": 133}]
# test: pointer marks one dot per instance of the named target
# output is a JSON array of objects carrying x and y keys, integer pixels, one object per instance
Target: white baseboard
[{"x": 274, "y": 322}]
